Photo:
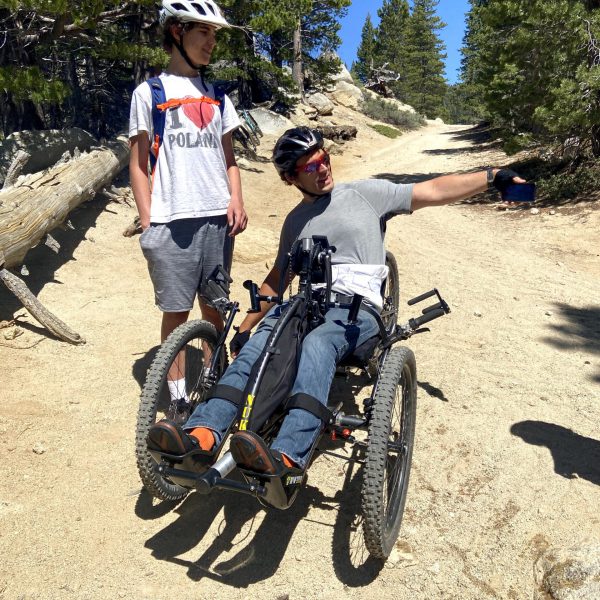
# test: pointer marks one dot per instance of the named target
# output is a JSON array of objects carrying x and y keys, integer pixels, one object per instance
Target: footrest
[
  {"x": 279, "y": 490},
  {"x": 183, "y": 469}
]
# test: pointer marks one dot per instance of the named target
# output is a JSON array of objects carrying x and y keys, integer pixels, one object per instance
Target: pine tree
[
  {"x": 365, "y": 53},
  {"x": 320, "y": 39},
  {"x": 390, "y": 42},
  {"x": 471, "y": 90},
  {"x": 318, "y": 22},
  {"x": 65, "y": 65},
  {"x": 75, "y": 64},
  {"x": 536, "y": 66},
  {"x": 425, "y": 85}
]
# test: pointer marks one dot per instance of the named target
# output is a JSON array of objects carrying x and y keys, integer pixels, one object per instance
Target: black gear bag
[{"x": 276, "y": 367}]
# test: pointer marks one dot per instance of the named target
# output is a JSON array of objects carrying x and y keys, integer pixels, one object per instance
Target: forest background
[{"x": 530, "y": 69}]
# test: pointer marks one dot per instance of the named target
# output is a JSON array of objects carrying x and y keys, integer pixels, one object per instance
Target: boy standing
[{"x": 192, "y": 207}]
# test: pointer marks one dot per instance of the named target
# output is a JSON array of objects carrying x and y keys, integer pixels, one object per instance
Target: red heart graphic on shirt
[{"x": 199, "y": 113}]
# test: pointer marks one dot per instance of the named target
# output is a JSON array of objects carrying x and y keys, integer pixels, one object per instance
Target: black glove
[
  {"x": 503, "y": 178},
  {"x": 238, "y": 341}
]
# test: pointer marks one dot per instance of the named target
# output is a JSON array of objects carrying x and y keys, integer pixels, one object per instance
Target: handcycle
[{"x": 388, "y": 415}]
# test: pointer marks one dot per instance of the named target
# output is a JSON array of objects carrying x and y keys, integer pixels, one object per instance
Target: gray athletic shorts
[{"x": 181, "y": 255}]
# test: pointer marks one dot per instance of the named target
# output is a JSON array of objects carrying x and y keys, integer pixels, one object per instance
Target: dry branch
[
  {"x": 60, "y": 329},
  {"x": 19, "y": 161}
]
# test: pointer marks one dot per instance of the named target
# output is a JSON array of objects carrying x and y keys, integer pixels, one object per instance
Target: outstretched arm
[{"x": 451, "y": 188}]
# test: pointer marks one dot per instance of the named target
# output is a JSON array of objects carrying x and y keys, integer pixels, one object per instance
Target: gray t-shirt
[{"x": 351, "y": 217}]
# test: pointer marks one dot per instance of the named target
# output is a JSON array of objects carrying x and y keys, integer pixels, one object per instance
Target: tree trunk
[
  {"x": 43, "y": 200},
  {"x": 297, "y": 74},
  {"x": 276, "y": 42}
]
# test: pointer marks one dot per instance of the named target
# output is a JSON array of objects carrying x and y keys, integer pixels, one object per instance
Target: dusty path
[{"x": 507, "y": 454}]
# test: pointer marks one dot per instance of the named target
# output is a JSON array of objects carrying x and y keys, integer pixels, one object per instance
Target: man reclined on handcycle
[{"x": 352, "y": 216}]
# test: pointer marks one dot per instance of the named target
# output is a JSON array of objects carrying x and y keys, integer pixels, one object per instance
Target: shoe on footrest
[
  {"x": 250, "y": 452},
  {"x": 168, "y": 437}
]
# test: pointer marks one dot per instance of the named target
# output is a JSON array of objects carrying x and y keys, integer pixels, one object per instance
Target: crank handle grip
[
  {"x": 428, "y": 316},
  {"x": 422, "y": 297}
]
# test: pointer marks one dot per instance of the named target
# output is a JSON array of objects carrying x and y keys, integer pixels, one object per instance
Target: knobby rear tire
[
  {"x": 386, "y": 470},
  {"x": 155, "y": 396}
]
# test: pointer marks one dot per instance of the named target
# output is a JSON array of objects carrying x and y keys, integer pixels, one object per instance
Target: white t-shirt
[{"x": 190, "y": 179}]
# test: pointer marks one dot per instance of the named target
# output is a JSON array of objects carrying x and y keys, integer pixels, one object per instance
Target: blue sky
[{"x": 452, "y": 12}]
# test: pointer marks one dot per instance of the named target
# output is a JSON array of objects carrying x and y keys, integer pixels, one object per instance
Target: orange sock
[
  {"x": 205, "y": 437},
  {"x": 287, "y": 461}
]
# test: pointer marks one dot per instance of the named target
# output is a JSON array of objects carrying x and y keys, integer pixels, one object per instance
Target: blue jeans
[{"x": 323, "y": 348}]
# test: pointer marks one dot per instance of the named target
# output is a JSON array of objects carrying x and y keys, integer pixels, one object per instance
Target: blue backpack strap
[
  {"x": 158, "y": 118},
  {"x": 220, "y": 98}
]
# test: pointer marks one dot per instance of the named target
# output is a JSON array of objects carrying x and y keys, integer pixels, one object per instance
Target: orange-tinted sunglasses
[{"x": 313, "y": 165}]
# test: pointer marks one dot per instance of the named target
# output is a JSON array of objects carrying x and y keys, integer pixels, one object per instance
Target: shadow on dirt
[
  {"x": 574, "y": 455},
  {"x": 259, "y": 549},
  {"x": 461, "y": 150},
  {"x": 479, "y": 134},
  {"x": 406, "y": 178},
  {"x": 432, "y": 391},
  {"x": 42, "y": 263},
  {"x": 480, "y": 138},
  {"x": 579, "y": 330},
  {"x": 141, "y": 365}
]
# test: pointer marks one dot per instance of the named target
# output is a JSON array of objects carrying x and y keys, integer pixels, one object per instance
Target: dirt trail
[{"x": 507, "y": 452}]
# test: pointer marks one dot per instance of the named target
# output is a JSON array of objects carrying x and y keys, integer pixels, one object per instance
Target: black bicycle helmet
[{"x": 293, "y": 145}]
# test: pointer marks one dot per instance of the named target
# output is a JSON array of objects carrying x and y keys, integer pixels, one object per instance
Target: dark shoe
[
  {"x": 250, "y": 452},
  {"x": 168, "y": 437},
  {"x": 179, "y": 411}
]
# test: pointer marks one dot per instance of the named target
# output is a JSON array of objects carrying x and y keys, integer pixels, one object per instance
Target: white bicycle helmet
[{"x": 199, "y": 11}]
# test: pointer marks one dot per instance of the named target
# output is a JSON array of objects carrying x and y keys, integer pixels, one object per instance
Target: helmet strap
[{"x": 179, "y": 46}]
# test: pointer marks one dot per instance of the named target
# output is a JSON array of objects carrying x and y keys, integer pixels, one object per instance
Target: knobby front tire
[
  {"x": 388, "y": 456},
  {"x": 192, "y": 338}
]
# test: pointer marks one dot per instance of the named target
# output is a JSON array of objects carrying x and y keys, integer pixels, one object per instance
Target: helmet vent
[
  {"x": 199, "y": 8},
  {"x": 178, "y": 6}
]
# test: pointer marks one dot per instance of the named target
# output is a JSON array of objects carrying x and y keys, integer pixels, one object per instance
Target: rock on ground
[{"x": 571, "y": 573}]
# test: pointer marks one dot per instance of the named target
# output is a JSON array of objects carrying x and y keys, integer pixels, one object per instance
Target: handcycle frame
[{"x": 311, "y": 260}]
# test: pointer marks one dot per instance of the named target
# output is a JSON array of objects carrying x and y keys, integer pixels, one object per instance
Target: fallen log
[
  {"x": 40, "y": 202},
  {"x": 338, "y": 133},
  {"x": 45, "y": 147}
]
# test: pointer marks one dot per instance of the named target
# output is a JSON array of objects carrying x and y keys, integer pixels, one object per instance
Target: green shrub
[
  {"x": 570, "y": 184},
  {"x": 390, "y": 132},
  {"x": 380, "y": 110}
]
